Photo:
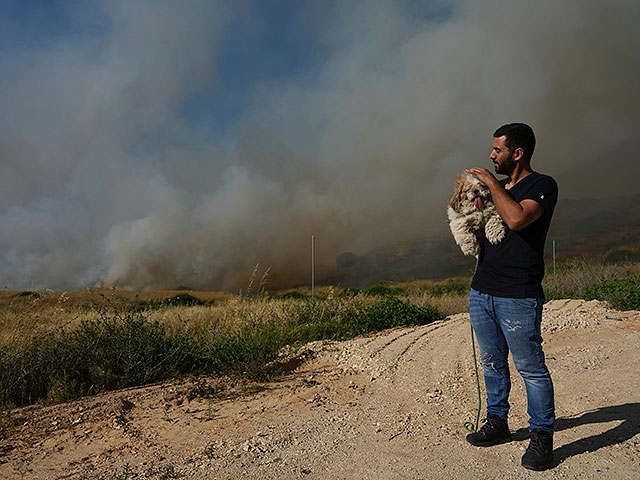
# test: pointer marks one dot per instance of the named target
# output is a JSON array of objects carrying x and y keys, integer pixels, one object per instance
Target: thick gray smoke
[{"x": 106, "y": 181}]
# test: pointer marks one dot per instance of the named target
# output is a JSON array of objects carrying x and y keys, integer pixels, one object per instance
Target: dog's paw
[
  {"x": 494, "y": 230},
  {"x": 470, "y": 247}
]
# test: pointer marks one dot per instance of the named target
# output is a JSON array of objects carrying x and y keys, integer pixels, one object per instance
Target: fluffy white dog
[{"x": 470, "y": 211}]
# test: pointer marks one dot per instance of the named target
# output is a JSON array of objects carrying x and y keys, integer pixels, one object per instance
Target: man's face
[{"x": 502, "y": 157}]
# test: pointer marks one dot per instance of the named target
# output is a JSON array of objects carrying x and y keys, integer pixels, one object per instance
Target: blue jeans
[{"x": 513, "y": 324}]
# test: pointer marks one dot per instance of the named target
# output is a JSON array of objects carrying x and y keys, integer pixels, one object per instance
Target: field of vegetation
[{"x": 57, "y": 346}]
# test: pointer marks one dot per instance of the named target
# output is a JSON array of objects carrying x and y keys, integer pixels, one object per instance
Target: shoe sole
[
  {"x": 538, "y": 468},
  {"x": 490, "y": 444}
]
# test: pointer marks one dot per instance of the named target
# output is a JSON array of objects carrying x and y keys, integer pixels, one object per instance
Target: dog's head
[{"x": 468, "y": 193}]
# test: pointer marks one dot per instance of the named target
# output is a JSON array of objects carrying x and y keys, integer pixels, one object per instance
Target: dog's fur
[{"x": 466, "y": 219}]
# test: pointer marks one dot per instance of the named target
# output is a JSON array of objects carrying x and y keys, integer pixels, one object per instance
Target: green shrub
[
  {"x": 392, "y": 312},
  {"x": 99, "y": 355},
  {"x": 183, "y": 300},
  {"x": 377, "y": 290},
  {"x": 382, "y": 290},
  {"x": 28, "y": 294},
  {"x": 451, "y": 286},
  {"x": 621, "y": 294},
  {"x": 616, "y": 257},
  {"x": 293, "y": 294},
  {"x": 179, "y": 300},
  {"x": 349, "y": 292}
]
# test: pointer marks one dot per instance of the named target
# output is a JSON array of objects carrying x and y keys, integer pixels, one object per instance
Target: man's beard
[{"x": 506, "y": 167}]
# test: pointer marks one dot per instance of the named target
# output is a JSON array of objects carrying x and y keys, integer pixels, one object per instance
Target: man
[{"x": 506, "y": 298}]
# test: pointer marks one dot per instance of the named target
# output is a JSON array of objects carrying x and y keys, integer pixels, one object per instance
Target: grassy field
[
  {"x": 25, "y": 315},
  {"x": 56, "y": 346}
]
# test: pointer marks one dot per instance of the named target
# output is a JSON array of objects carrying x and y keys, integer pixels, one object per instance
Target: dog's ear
[{"x": 456, "y": 200}]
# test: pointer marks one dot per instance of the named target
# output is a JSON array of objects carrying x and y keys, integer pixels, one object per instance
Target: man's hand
[
  {"x": 516, "y": 215},
  {"x": 485, "y": 176}
]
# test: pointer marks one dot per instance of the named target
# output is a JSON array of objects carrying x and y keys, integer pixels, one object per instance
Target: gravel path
[{"x": 387, "y": 406}]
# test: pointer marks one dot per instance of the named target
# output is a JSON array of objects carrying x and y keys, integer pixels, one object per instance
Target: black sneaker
[
  {"x": 539, "y": 454},
  {"x": 494, "y": 431}
]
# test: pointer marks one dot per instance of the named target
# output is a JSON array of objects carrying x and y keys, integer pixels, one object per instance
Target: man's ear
[{"x": 518, "y": 153}]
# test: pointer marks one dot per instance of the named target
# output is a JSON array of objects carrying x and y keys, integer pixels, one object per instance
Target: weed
[
  {"x": 212, "y": 414},
  {"x": 261, "y": 285},
  {"x": 126, "y": 474},
  {"x": 8, "y": 422},
  {"x": 201, "y": 388},
  {"x": 210, "y": 451},
  {"x": 25, "y": 472},
  {"x": 168, "y": 472}
]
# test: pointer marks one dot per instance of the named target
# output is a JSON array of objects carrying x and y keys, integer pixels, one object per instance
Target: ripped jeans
[{"x": 513, "y": 324}]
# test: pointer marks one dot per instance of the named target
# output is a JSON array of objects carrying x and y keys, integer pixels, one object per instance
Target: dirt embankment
[{"x": 388, "y": 406}]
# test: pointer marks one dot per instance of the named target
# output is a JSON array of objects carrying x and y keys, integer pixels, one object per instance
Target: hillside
[
  {"x": 387, "y": 406},
  {"x": 582, "y": 228}
]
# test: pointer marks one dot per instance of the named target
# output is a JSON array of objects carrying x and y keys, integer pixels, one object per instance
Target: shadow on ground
[{"x": 628, "y": 414}]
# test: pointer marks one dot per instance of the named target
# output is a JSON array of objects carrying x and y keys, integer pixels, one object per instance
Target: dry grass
[
  {"x": 574, "y": 276},
  {"x": 450, "y": 296},
  {"x": 26, "y": 315},
  {"x": 449, "y": 304}
]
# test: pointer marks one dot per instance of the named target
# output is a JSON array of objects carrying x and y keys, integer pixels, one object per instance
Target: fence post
[{"x": 313, "y": 264}]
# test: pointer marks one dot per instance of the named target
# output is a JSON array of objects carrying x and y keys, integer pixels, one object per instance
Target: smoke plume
[{"x": 110, "y": 178}]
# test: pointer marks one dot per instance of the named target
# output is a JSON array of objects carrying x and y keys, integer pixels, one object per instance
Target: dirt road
[{"x": 385, "y": 407}]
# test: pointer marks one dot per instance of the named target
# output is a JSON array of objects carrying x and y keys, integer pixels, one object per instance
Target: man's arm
[{"x": 516, "y": 215}]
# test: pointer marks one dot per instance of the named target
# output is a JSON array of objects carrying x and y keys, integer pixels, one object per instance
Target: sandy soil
[{"x": 389, "y": 406}]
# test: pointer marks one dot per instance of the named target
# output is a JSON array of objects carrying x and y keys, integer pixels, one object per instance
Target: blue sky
[
  {"x": 273, "y": 43},
  {"x": 263, "y": 41}
]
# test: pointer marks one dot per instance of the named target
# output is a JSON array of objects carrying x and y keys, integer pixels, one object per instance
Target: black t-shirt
[{"x": 514, "y": 268}]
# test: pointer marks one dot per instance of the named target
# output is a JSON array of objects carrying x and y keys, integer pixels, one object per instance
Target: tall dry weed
[{"x": 573, "y": 276}]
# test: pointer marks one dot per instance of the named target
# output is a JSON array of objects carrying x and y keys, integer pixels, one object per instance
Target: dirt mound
[{"x": 387, "y": 406}]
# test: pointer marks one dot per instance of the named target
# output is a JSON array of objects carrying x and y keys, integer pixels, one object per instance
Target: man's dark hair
[{"x": 519, "y": 135}]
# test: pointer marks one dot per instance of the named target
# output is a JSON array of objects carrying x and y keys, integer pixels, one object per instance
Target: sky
[{"x": 155, "y": 144}]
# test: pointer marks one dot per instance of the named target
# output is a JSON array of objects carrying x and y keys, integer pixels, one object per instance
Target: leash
[{"x": 470, "y": 426}]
